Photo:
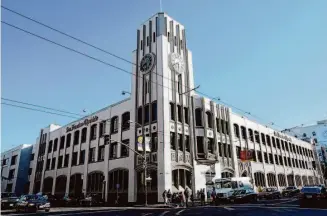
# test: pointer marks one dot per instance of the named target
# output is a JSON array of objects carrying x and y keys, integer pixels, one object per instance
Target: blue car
[{"x": 32, "y": 203}]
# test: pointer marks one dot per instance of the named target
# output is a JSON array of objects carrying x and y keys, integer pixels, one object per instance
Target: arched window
[
  {"x": 281, "y": 180},
  {"x": 83, "y": 139},
  {"x": 243, "y": 132},
  {"x": 75, "y": 185},
  {"x": 93, "y": 134},
  {"x": 114, "y": 124},
  {"x": 237, "y": 130},
  {"x": 47, "y": 185},
  {"x": 125, "y": 121},
  {"x": 290, "y": 180},
  {"x": 120, "y": 177},
  {"x": 259, "y": 179},
  {"x": 60, "y": 185},
  {"x": 271, "y": 180},
  {"x": 95, "y": 182},
  {"x": 198, "y": 117},
  {"x": 209, "y": 119}
]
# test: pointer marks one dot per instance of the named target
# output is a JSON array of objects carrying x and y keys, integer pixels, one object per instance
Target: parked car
[
  {"x": 92, "y": 200},
  {"x": 244, "y": 196},
  {"x": 8, "y": 200},
  {"x": 313, "y": 197},
  {"x": 290, "y": 191},
  {"x": 32, "y": 203},
  {"x": 269, "y": 193}
]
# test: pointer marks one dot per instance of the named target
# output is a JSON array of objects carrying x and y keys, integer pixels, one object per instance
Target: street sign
[{"x": 117, "y": 186}]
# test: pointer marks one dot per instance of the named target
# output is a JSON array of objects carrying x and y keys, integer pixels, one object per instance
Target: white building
[
  {"x": 193, "y": 139},
  {"x": 15, "y": 169}
]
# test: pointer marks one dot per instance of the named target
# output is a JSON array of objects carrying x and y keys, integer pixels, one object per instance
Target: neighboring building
[
  {"x": 193, "y": 139},
  {"x": 318, "y": 132},
  {"x": 15, "y": 164}
]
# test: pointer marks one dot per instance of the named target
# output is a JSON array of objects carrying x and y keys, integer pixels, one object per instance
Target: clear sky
[{"x": 267, "y": 57}]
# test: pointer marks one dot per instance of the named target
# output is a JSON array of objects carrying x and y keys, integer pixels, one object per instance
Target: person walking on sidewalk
[
  {"x": 164, "y": 196},
  {"x": 202, "y": 194},
  {"x": 186, "y": 194},
  {"x": 169, "y": 197},
  {"x": 192, "y": 198}
]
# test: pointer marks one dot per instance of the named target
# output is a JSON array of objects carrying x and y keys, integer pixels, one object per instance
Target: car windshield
[
  {"x": 289, "y": 188},
  {"x": 310, "y": 190},
  {"x": 29, "y": 197},
  {"x": 226, "y": 184}
]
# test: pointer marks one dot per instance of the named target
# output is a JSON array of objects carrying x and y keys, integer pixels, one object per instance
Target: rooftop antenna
[{"x": 160, "y": 5}]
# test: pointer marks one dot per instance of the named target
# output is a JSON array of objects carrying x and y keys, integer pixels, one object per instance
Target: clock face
[
  {"x": 147, "y": 62},
  {"x": 177, "y": 63}
]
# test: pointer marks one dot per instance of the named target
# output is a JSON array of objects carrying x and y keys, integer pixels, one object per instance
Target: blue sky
[{"x": 267, "y": 57}]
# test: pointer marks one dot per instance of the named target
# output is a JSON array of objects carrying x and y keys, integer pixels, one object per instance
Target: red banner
[{"x": 246, "y": 155}]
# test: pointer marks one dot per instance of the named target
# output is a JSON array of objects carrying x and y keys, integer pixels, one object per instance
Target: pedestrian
[
  {"x": 192, "y": 198},
  {"x": 169, "y": 196},
  {"x": 202, "y": 194},
  {"x": 186, "y": 194},
  {"x": 181, "y": 198},
  {"x": 164, "y": 196},
  {"x": 213, "y": 195}
]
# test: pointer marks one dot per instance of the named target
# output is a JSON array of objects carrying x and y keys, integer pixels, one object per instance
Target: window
[
  {"x": 9, "y": 188},
  {"x": 282, "y": 144},
  {"x": 172, "y": 141},
  {"x": 281, "y": 160},
  {"x": 243, "y": 132},
  {"x": 50, "y": 146},
  {"x": 146, "y": 114},
  {"x": 263, "y": 139},
  {"x": 186, "y": 119},
  {"x": 168, "y": 36},
  {"x": 238, "y": 152},
  {"x": 259, "y": 156},
  {"x": 139, "y": 115},
  {"x": 236, "y": 131},
  {"x": 251, "y": 135},
  {"x": 74, "y": 159},
  {"x": 266, "y": 157},
  {"x": 102, "y": 128},
  {"x": 92, "y": 155},
  {"x": 66, "y": 160},
  {"x": 93, "y": 133},
  {"x": 146, "y": 85},
  {"x": 76, "y": 136},
  {"x": 289, "y": 161},
  {"x": 32, "y": 157},
  {"x": 47, "y": 167},
  {"x": 179, "y": 84},
  {"x": 4, "y": 162},
  {"x": 113, "y": 151},
  {"x": 59, "y": 162},
  {"x": 154, "y": 37},
  {"x": 53, "y": 163},
  {"x": 278, "y": 143},
  {"x": 125, "y": 121},
  {"x": 141, "y": 44},
  {"x": 181, "y": 44},
  {"x": 114, "y": 124},
  {"x": 276, "y": 160},
  {"x": 268, "y": 140},
  {"x": 147, "y": 41},
  {"x": 154, "y": 111},
  {"x": 180, "y": 142},
  {"x": 179, "y": 113},
  {"x": 154, "y": 142},
  {"x": 69, "y": 137},
  {"x": 200, "y": 146},
  {"x": 125, "y": 149},
  {"x": 285, "y": 161},
  {"x": 55, "y": 145},
  {"x": 175, "y": 41},
  {"x": 209, "y": 119},
  {"x": 101, "y": 153},
  {"x": 62, "y": 142},
  {"x": 198, "y": 117},
  {"x": 172, "y": 112},
  {"x": 13, "y": 160},
  {"x": 271, "y": 160},
  {"x": 210, "y": 145},
  {"x": 82, "y": 157},
  {"x": 286, "y": 146},
  {"x": 187, "y": 143},
  {"x": 11, "y": 174},
  {"x": 273, "y": 142},
  {"x": 257, "y": 136}
]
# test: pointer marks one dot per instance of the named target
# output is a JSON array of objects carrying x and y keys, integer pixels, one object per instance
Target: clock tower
[{"x": 163, "y": 76}]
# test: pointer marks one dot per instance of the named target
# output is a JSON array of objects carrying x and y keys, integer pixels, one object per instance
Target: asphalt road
[{"x": 283, "y": 207}]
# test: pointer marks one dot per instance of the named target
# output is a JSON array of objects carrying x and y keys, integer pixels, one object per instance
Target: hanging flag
[
  {"x": 147, "y": 144},
  {"x": 140, "y": 143}
]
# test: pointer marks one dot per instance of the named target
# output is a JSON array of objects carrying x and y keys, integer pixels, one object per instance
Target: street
[{"x": 264, "y": 207}]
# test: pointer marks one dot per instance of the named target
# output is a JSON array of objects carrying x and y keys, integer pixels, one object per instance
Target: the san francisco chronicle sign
[{"x": 86, "y": 122}]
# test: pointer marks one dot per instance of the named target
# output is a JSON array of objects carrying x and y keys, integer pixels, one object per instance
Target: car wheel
[{"x": 47, "y": 210}]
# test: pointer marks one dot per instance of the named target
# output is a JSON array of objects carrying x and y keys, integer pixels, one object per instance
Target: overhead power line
[
  {"x": 58, "y": 110},
  {"x": 116, "y": 56},
  {"x": 38, "y": 110}
]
